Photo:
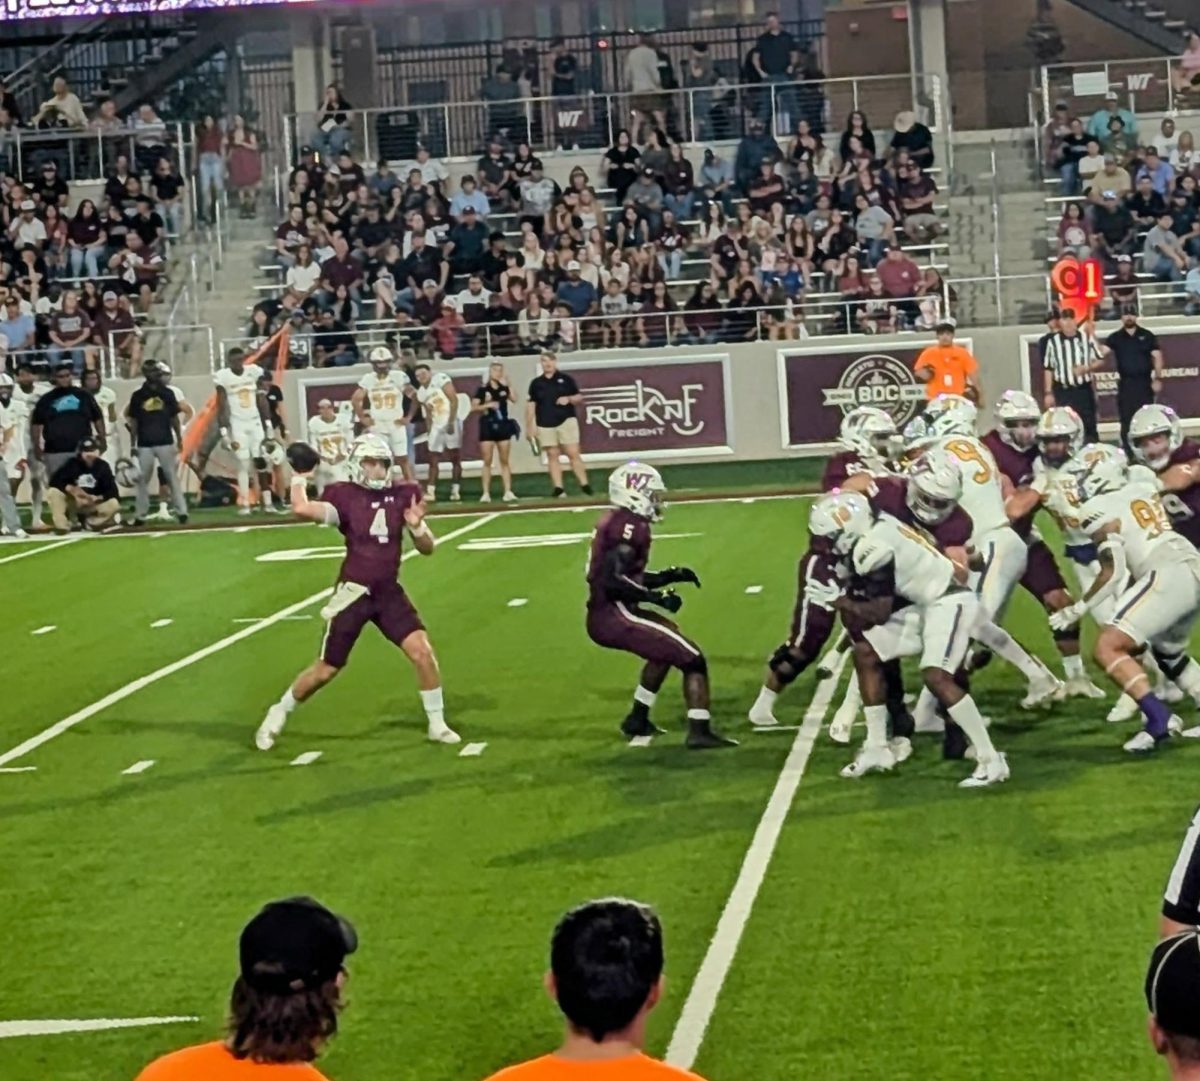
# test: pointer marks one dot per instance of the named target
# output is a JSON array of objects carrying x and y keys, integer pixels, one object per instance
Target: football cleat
[
  {"x": 870, "y": 760},
  {"x": 993, "y": 771},
  {"x": 840, "y": 728},
  {"x": 1081, "y": 687},
  {"x": 1044, "y": 690},
  {"x": 1143, "y": 742},
  {"x": 701, "y": 737},
  {"x": 268, "y": 732},
  {"x": 1169, "y": 693},
  {"x": 901, "y": 748},
  {"x": 443, "y": 733},
  {"x": 243, "y": 512},
  {"x": 1124, "y": 709},
  {"x": 762, "y": 718},
  {"x": 632, "y": 727}
]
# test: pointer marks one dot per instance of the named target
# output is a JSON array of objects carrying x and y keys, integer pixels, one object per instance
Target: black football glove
[
  {"x": 685, "y": 575},
  {"x": 302, "y": 458},
  {"x": 668, "y": 599}
]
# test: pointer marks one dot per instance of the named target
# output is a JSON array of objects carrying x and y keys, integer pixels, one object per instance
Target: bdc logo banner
[{"x": 817, "y": 389}]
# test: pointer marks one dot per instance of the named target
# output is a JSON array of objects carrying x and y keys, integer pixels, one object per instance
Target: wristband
[{"x": 422, "y": 530}]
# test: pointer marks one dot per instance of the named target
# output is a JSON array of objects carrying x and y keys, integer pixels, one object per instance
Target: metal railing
[
  {"x": 90, "y": 155},
  {"x": 1152, "y": 84},
  {"x": 693, "y": 115}
]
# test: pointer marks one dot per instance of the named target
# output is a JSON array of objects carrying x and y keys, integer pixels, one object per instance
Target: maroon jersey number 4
[{"x": 372, "y": 521}]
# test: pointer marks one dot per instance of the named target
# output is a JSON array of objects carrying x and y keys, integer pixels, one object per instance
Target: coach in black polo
[
  {"x": 1070, "y": 358},
  {"x": 1139, "y": 366},
  {"x": 550, "y": 410}
]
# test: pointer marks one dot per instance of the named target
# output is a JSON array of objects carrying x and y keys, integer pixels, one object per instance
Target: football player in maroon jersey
[
  {"x": 373, "y": 514},
  {"x": 620, "y": 587}
]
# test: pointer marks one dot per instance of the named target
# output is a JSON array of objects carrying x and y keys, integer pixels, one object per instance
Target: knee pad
[
  {"x": 698, "y": 667},
  {"x": 1172, "y": 664},
  {"x": 786, "y": 664}
]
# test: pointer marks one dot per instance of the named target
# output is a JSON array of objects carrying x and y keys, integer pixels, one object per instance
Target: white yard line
[
  {"x": 702, "y": 998},
  {"x": 142, "y": 682},
  {"x": 56, "y": 1027},
  {"x": 48, "y": 546},
  {"x": 158, "y": 624},
  {"x": 518, "y": 602},
  {"x": 45, "y": 630},
  {"x": 753, "y": 589},
  {"x": 138, "y": 767},
  {"x": 307, "y": 758},
  {"x": 472, "y": 750},
  {"x": 19, "y": 769}
]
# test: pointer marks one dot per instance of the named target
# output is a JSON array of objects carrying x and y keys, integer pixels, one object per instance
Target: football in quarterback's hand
[{"x": 302, "y": 458}]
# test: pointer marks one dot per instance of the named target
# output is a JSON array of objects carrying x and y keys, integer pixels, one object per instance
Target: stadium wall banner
[
  {"x": 818, "y": 387},
  {"x": 1181, "y": 373},
  {"x": 45, "y": 9}
]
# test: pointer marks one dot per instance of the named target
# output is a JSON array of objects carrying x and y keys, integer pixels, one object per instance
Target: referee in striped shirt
[{"x": 1070, "y": 356}]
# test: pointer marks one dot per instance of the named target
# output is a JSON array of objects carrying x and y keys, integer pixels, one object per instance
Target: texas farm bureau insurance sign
[
  {"x": 653, "y": 407},
  {"x": 1181, "y": 371},
  {"x": 817, "y": 388}
]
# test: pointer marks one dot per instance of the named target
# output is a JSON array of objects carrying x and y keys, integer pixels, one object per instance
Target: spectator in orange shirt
[
  {"x": 285, "y": 1004},
  {"x": 606, "y": 962},
  {"x": 946, "y": 368}
]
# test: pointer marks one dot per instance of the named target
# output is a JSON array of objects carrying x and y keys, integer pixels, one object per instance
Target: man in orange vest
[{"x": 946, "y": 368}]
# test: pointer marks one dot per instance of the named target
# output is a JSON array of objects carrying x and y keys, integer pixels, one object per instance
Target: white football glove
[
  {"x": 822, "y": 594},
  {"x": 1066, "y": 618}
]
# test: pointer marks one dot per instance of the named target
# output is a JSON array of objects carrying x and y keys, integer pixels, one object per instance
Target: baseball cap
[
  {"x": 1124, "y": 259},
  {"x": 1173, "y": 983},
  {"x": 27, "y": 204},
  {"x": 647, "y": 171},
  {"x": 87, "y": 444},
  {"x": 573, "y": 265},
  {"x": 1111, "y": 96},
  {"x": 293, "y": 945},
  {"x": 468, "y": 209},
  {"x": 948, "y": 321},
  {"x": 108, "y": 294},
  {"x": 323, "y": 403},
  {"x": 306, "y": 150},
  {"x": 427, "y": 283}
]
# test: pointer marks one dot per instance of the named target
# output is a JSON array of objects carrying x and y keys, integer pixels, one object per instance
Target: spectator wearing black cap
[
  {"x": 646, "y": 195},
  {"x": 466, "y": 243},
  {"x": 83, "y": 489},
  {"x": 606, "y": 975},
  {"x": 285, "y": 1003},
  {"x": 1139, "y": 359},
  {"x": 63, "y": 417},
  {"x": 1172, "y": 990}
]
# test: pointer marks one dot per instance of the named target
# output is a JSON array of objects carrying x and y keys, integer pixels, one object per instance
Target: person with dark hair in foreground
[
  {"x": 284, "y": 1005},
  {"x": 606, "y": 963},
  {"x": 1172, "y": 987}
]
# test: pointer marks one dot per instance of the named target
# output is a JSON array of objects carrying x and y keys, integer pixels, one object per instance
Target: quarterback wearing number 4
[
  {"x": 620, "y": 588},
  {"x": 373, "y": 514}
]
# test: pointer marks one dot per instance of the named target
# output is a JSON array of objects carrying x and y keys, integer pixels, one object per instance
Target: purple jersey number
[
  {"x": 372, "y": 521},
  {"x": 617, "y": 527}
]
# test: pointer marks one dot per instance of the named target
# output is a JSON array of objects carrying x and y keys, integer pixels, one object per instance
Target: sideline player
[
  {"x": 384, "y": 403},
  {"x": 1124, "y": 516},
  {"x": 11, "y": 457},
  {"x": 25, "y": 395},
  {"x": 329, "y": 433},
  {"x": 444, "y": 424},
  {"x": 372, "y": 513},
  {"x": 114, "y": 425},
  {"x": 869, "y": 442},
  {"x": 241, "y": 416},
  {"x": 915, "y": 600},
  {"x": 619, "y": 586},
  {"x": 1058, "y": 435}
]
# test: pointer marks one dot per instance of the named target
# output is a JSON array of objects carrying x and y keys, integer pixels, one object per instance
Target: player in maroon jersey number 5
[
  {"x": 373, "y": 514},
  {"x": 619, "y": 588}
]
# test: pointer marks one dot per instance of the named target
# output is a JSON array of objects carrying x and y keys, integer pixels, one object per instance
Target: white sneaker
[
  {"x": 455, "y": 494},
  {"x": 763, "y": 718},
  {"x": 840, "y": 728},
  {"x": 869, "y": 760},
  {"x": 268, "y": 731},
  {"x": 430, "y": 494},
  {"x": 1143, "y": 743},
  {"x": 20, "y": 534},
  {"x": 901, "y": 748},
  {"x": 1124, "y": 709},
  {"x": 163, "y": 515},
  {"x": 485, "y": 498},
  {"x": 1081, "y": 687},
  {"x": 510, "y": 497},
  {"x": 443, "y": 733},
  {"x": 1042, "y": 691},
  {"x": 993, "y": 771}
]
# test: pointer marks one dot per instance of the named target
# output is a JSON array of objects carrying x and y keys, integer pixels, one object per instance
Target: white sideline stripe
[
  {"x": 91, "y": 1024},
  {"x": 472, "y": 750},
  {"x": 161, "y": 623},
  {"x": 49, "y": 546},
  {"x": 45, "y": 630},
  {"x": 641, "y": 741},
  {"x": 754, "y": 589},
  {"x": 19, "y": 769},
  {"x": 138, "y": 767},
  {"x": 702, "y": 997},
  {"x": 306, "y": 759},
  {"x": 258, "y": 619},
  {"x": 121, "y": 693},
  {"x": 518, "y": 602}
]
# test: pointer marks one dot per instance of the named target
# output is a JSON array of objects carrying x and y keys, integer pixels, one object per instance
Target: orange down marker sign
[{"x": 1079, "y": 285}]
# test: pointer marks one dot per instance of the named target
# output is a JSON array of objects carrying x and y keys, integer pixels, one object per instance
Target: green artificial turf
[{"x": 905, "y": 929}]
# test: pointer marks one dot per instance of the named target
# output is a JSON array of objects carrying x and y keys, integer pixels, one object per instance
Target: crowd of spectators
[
  {"x": 1131, "y": 200},
  {"x": 652, "y": 248}
]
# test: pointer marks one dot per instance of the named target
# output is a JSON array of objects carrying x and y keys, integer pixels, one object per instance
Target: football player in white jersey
[
  {"x": 1122, "y": 511},
  {"x": 10, "y": 520},
  {"x": 25, "y": 395},
  {"x": 443, "y": 420},
  {"x": 331, "y": 436},
  {"x": 242, "y": 417},
  {"x": 384, "y": 401},
  {"x": 114, "y": 425},
  {"x": 890, "y": 561}
]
